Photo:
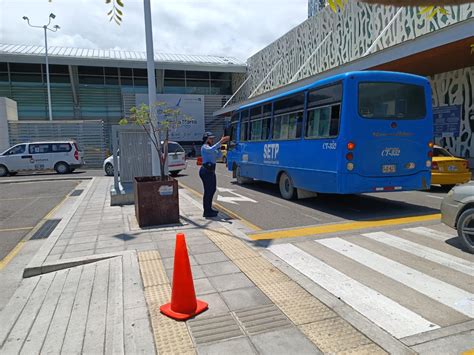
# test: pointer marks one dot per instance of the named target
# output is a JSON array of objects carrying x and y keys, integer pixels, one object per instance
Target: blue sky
[{"x": 238, "y": 28}]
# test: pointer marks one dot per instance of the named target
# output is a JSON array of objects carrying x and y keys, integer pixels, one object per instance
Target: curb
[
  {"x": 45, "y": 180},
  {"x": 31, "y": 271},
  {"x": 34, "y": 266}
]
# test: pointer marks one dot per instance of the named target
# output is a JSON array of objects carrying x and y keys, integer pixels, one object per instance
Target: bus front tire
[
  {"x": 240, "y": 179},
  {"x": 287, "y": 189}
]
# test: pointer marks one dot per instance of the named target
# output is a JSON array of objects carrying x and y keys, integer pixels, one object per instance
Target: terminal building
[
  {"x": 91, "y": 90},
  {"x": 98, "y": 87}
]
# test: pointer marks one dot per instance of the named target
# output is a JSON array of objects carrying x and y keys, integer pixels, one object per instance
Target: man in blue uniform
[{"x": 209, "y": 153}]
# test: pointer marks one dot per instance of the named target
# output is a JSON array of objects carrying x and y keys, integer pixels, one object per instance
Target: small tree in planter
[{"x": 156, "y": 197}]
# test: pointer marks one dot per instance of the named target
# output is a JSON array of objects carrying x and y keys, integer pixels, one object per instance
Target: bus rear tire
[{"x": 287, "y": 189}]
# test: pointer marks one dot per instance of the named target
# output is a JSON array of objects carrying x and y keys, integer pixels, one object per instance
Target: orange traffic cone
[{"x": 184, "y": 303}]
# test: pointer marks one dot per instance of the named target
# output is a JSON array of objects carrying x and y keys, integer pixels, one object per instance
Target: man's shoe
[{"x": 210, "y": 214}]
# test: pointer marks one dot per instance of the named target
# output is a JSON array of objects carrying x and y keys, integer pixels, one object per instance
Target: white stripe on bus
[
  {"x": 386, "y": 313},
  {"x": 449, "y": 295}
]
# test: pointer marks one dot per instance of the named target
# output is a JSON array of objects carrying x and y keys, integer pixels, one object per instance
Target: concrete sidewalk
[{"x": 96, "y": 285}]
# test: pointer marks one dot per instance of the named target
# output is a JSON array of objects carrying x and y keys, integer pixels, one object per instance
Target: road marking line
[
  {"x": 386, "y": 313},
  {"x": 439, "y": 197},
  {"x": 227, "y": 211},
  {"x": 278, "y": 204},
  {"x": 15, "y": 229},
  {"x": 340, "y": 227},
  {"x": 428, "y": 232},
  {"x": 424, "y": 252},
  {"x": 447, "y": 294},
  {"x": 4, "y": 262}
]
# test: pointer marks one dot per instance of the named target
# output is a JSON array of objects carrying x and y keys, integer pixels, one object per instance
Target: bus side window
[
  {"x": 324, "y": 108},
  {"x": 323, "y": 122},
  {"x": 288, "y": 117},
  {"x": 244, "y": 123}
]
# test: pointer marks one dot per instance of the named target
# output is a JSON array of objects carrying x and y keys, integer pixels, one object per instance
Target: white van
[
  {"x": 176, "y": 160},
  {"x": 62, "y": 156}
]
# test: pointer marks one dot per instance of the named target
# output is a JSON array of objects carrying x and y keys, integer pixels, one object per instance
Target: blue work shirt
[{"x": 210, "y": 154}]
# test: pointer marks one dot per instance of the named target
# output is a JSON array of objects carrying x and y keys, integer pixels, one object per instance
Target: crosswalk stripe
[
  {"x": 424, "y": 252},
  {"x": 428, "y": 232},
  {"x": 386, "y": 313},
  {"x": 449, "y": 295}
]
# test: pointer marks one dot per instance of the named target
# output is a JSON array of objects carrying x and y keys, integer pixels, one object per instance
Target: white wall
[{"x": 8, "y": 111}]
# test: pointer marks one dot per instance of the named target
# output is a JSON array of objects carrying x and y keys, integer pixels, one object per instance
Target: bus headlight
[
  {"x": 428, "y": 163},
  {"x": 350, "y": 166}
]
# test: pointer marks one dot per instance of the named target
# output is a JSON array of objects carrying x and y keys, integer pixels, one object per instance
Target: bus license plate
[{"x": 389, "y": 168}]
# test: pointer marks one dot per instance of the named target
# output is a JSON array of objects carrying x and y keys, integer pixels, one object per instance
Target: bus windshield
[{"x": 395, "y": 101}]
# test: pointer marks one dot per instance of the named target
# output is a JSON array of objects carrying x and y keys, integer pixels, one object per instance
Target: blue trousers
[{"x": 209, "y": 182}]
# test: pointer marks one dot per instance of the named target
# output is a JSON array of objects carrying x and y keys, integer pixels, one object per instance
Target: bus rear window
[{"x": 395, "y": 101}]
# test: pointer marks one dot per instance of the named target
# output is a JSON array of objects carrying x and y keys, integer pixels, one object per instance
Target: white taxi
[{"x": 62, "y": 156}]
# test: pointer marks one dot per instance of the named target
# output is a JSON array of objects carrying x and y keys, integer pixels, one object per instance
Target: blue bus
[{"x": 357, "y": 132}]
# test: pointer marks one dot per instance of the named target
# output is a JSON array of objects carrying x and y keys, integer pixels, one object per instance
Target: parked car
[
  {"x": 62, "y": 156},
  {"x": 448, "y": 170},
  {"x": 457, "y": 211},
  {"x": 223, "y": 157},
  {"x": 176, "y": 160}
]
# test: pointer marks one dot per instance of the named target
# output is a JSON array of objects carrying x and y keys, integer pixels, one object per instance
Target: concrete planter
[{"x": 156, "y": 201}]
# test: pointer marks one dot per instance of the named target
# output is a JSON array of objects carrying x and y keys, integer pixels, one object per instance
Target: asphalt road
[
  {"x": 260, "y": 203},
  {"x": 24, "y": 205}
]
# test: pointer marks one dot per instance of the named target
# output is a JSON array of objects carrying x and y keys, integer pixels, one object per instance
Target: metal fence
[{"x": 90, "y": 135}]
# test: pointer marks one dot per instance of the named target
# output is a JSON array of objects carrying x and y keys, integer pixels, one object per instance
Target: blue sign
[{"x": 447, "y": 121}]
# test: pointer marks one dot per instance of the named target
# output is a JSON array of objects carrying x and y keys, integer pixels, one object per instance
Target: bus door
[
  {"x": 233, "y": 131},
  {"x": 390, "y": 131}
]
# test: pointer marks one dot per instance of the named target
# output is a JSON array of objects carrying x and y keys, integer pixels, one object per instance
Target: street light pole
[
  {"x": 150, "y": 67},
  {"x": 50, "y": 110},
  {"x": 46, "y": 29}
]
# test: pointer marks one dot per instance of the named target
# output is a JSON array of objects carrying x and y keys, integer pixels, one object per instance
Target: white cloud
[{"x": 217, "y": 27}]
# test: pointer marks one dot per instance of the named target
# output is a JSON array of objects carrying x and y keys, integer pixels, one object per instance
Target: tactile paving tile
[
  {"x": 214, "y": 329},
  {"x": 149, "y": 255},
  {"x": 368, "y": 349},
  {"x": 306, "y": 310},
  {"x": 334, "y": 335},
  {"x": 281, "y": 291},
  {"x": 262, "y": 319},
  {"x": 158, "y": 295},
  {"x": 171, "y": 337},
  {"x": 252, "y": 264},
  {"x": 153, "y": 273},
  {"x": 267, "y": 277}
]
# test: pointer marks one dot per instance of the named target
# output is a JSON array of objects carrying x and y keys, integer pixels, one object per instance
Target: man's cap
[{"x": 206, "y": 136}]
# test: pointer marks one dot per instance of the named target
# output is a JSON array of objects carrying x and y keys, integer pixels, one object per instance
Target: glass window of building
[
  {"x": 91, "y": 75},
  {"x": 4, "y": 72},
  {"x": 25, "y": 72}
]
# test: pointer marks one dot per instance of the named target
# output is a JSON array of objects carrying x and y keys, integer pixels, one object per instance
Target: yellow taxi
[
  {"x": 223, "y": 157},
  {"x": 446, "y": 169}
]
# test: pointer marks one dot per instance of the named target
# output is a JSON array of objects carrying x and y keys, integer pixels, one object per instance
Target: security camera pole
[{"x": 46, "y": 29}]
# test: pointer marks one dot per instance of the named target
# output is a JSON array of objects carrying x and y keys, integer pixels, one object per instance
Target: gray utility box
[{"x": 8, "y": 112}]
